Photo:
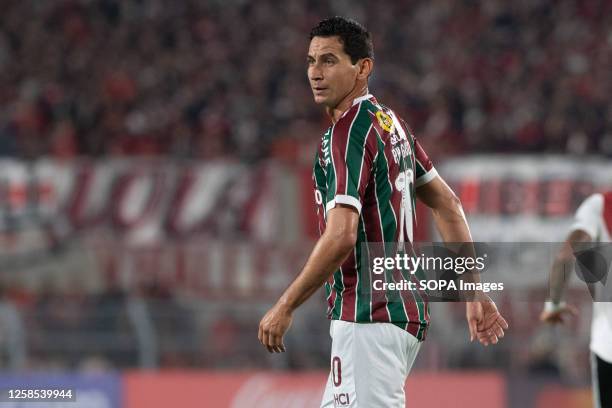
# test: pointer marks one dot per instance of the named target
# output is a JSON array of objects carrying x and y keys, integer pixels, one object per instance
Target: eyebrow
[{"x": 326, "y": 55}]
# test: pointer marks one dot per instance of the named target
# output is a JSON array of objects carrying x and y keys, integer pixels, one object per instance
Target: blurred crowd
[
  {"x": 227, "y": 79},
  {"x": 210, "y": 79}
]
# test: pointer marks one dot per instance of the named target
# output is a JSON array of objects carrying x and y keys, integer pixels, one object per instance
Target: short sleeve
[
  {"x": 352, "y": 151},
  {"x": 425, "y": 170},
  {"x": 589, "y": 215}
]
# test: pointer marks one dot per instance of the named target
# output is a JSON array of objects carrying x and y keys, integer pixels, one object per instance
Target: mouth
[{"x": 318, "y": 89}]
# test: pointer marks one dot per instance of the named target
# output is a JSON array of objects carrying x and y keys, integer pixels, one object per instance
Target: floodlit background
[{"x": 156, "y": 192}]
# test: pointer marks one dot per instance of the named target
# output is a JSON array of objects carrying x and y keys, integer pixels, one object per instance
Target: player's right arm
[
  {"x": 584, "y": 229},
  {"x": 329, "y": 253},
  {"x": 347, "y": 160},
  {"x": 331, "y": 250}
]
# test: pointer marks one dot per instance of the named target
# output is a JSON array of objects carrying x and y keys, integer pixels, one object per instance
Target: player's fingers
[
  {"x": 485, "y": 324},
  {"x": 488, "y": 337},
  {"x": 487, "y": 333},
  {"x": 480, "y": 325},
  {"x": 281, "y": 345},
  {"x": 551, "y": 318},
  {"x": 277, "y": 344},
  {"x": 483, "y": 336},
  {"x": 502, "y": 322},
  {"x": 488, "y": 322},
  {"x": 473, "y": 328},
  {"x": 260, "y": 334},
  {"x": 572, "y": 310},
  {"x": 484, "y": 340},
  {"x": 267, "y": 341},
  {"x": 498, "y": 330},
  {"x": 268, "y": 345}
]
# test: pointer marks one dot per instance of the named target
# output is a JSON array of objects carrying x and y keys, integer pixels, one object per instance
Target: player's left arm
[
  {"x": 484, "y": 320},
  {"x": 446, "y": 209},
  {"x": 329, "y": 253}
]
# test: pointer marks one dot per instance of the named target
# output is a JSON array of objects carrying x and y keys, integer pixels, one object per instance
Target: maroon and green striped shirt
[{"x": 370, "y": 160}]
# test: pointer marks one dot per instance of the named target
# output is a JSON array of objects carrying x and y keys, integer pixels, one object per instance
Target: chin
[{"x": 320, "y": 100}]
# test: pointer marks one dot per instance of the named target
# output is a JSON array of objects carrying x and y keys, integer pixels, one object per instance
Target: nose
[{"x": 315, "y": 73}]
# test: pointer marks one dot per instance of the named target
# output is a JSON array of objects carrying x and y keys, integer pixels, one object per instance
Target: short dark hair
[{"x": 356, "y": 40}]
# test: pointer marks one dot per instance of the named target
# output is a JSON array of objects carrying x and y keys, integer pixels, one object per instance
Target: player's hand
[
  {"x": 273, "y": 327},
  {"x": 484, "y": 320},
  {"x": 557, "y": 314}
]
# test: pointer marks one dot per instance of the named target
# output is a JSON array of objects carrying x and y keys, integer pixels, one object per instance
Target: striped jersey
[{"x": 370, "y": 160}]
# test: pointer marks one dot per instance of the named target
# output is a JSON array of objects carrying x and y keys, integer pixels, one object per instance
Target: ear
[{"x": 365, "y": 66}]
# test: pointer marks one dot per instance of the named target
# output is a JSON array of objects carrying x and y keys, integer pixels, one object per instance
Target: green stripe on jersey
[
  {"x": 355, "y": 150},
  {"x": 363, "y": 296}
]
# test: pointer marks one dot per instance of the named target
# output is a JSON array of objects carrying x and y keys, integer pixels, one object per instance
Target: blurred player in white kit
[{"x": 592, "y": 224}]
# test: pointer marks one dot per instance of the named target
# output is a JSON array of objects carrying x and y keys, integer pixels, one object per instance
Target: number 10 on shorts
[{"x": 341, "y": 399}]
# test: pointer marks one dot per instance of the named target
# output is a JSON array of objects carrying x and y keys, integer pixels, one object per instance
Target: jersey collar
[{"x": 362, "y": 98}]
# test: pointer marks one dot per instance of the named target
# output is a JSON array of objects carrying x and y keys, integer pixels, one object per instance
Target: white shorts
[{"x": 369, "y": 365}]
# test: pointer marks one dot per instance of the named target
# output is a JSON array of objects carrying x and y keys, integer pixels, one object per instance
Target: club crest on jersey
[{"x": 385, "y": 121}]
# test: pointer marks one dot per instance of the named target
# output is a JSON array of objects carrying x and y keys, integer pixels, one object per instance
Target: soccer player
[
  {"x": 367, "y": 170},
  {"x": 592, "y": 223}
]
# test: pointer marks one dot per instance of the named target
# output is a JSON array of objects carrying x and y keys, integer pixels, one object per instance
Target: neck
[{"x": 345, "y": 104}]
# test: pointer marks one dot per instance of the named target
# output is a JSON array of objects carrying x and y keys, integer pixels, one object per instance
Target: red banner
[{"x": 293, "y": 390}]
